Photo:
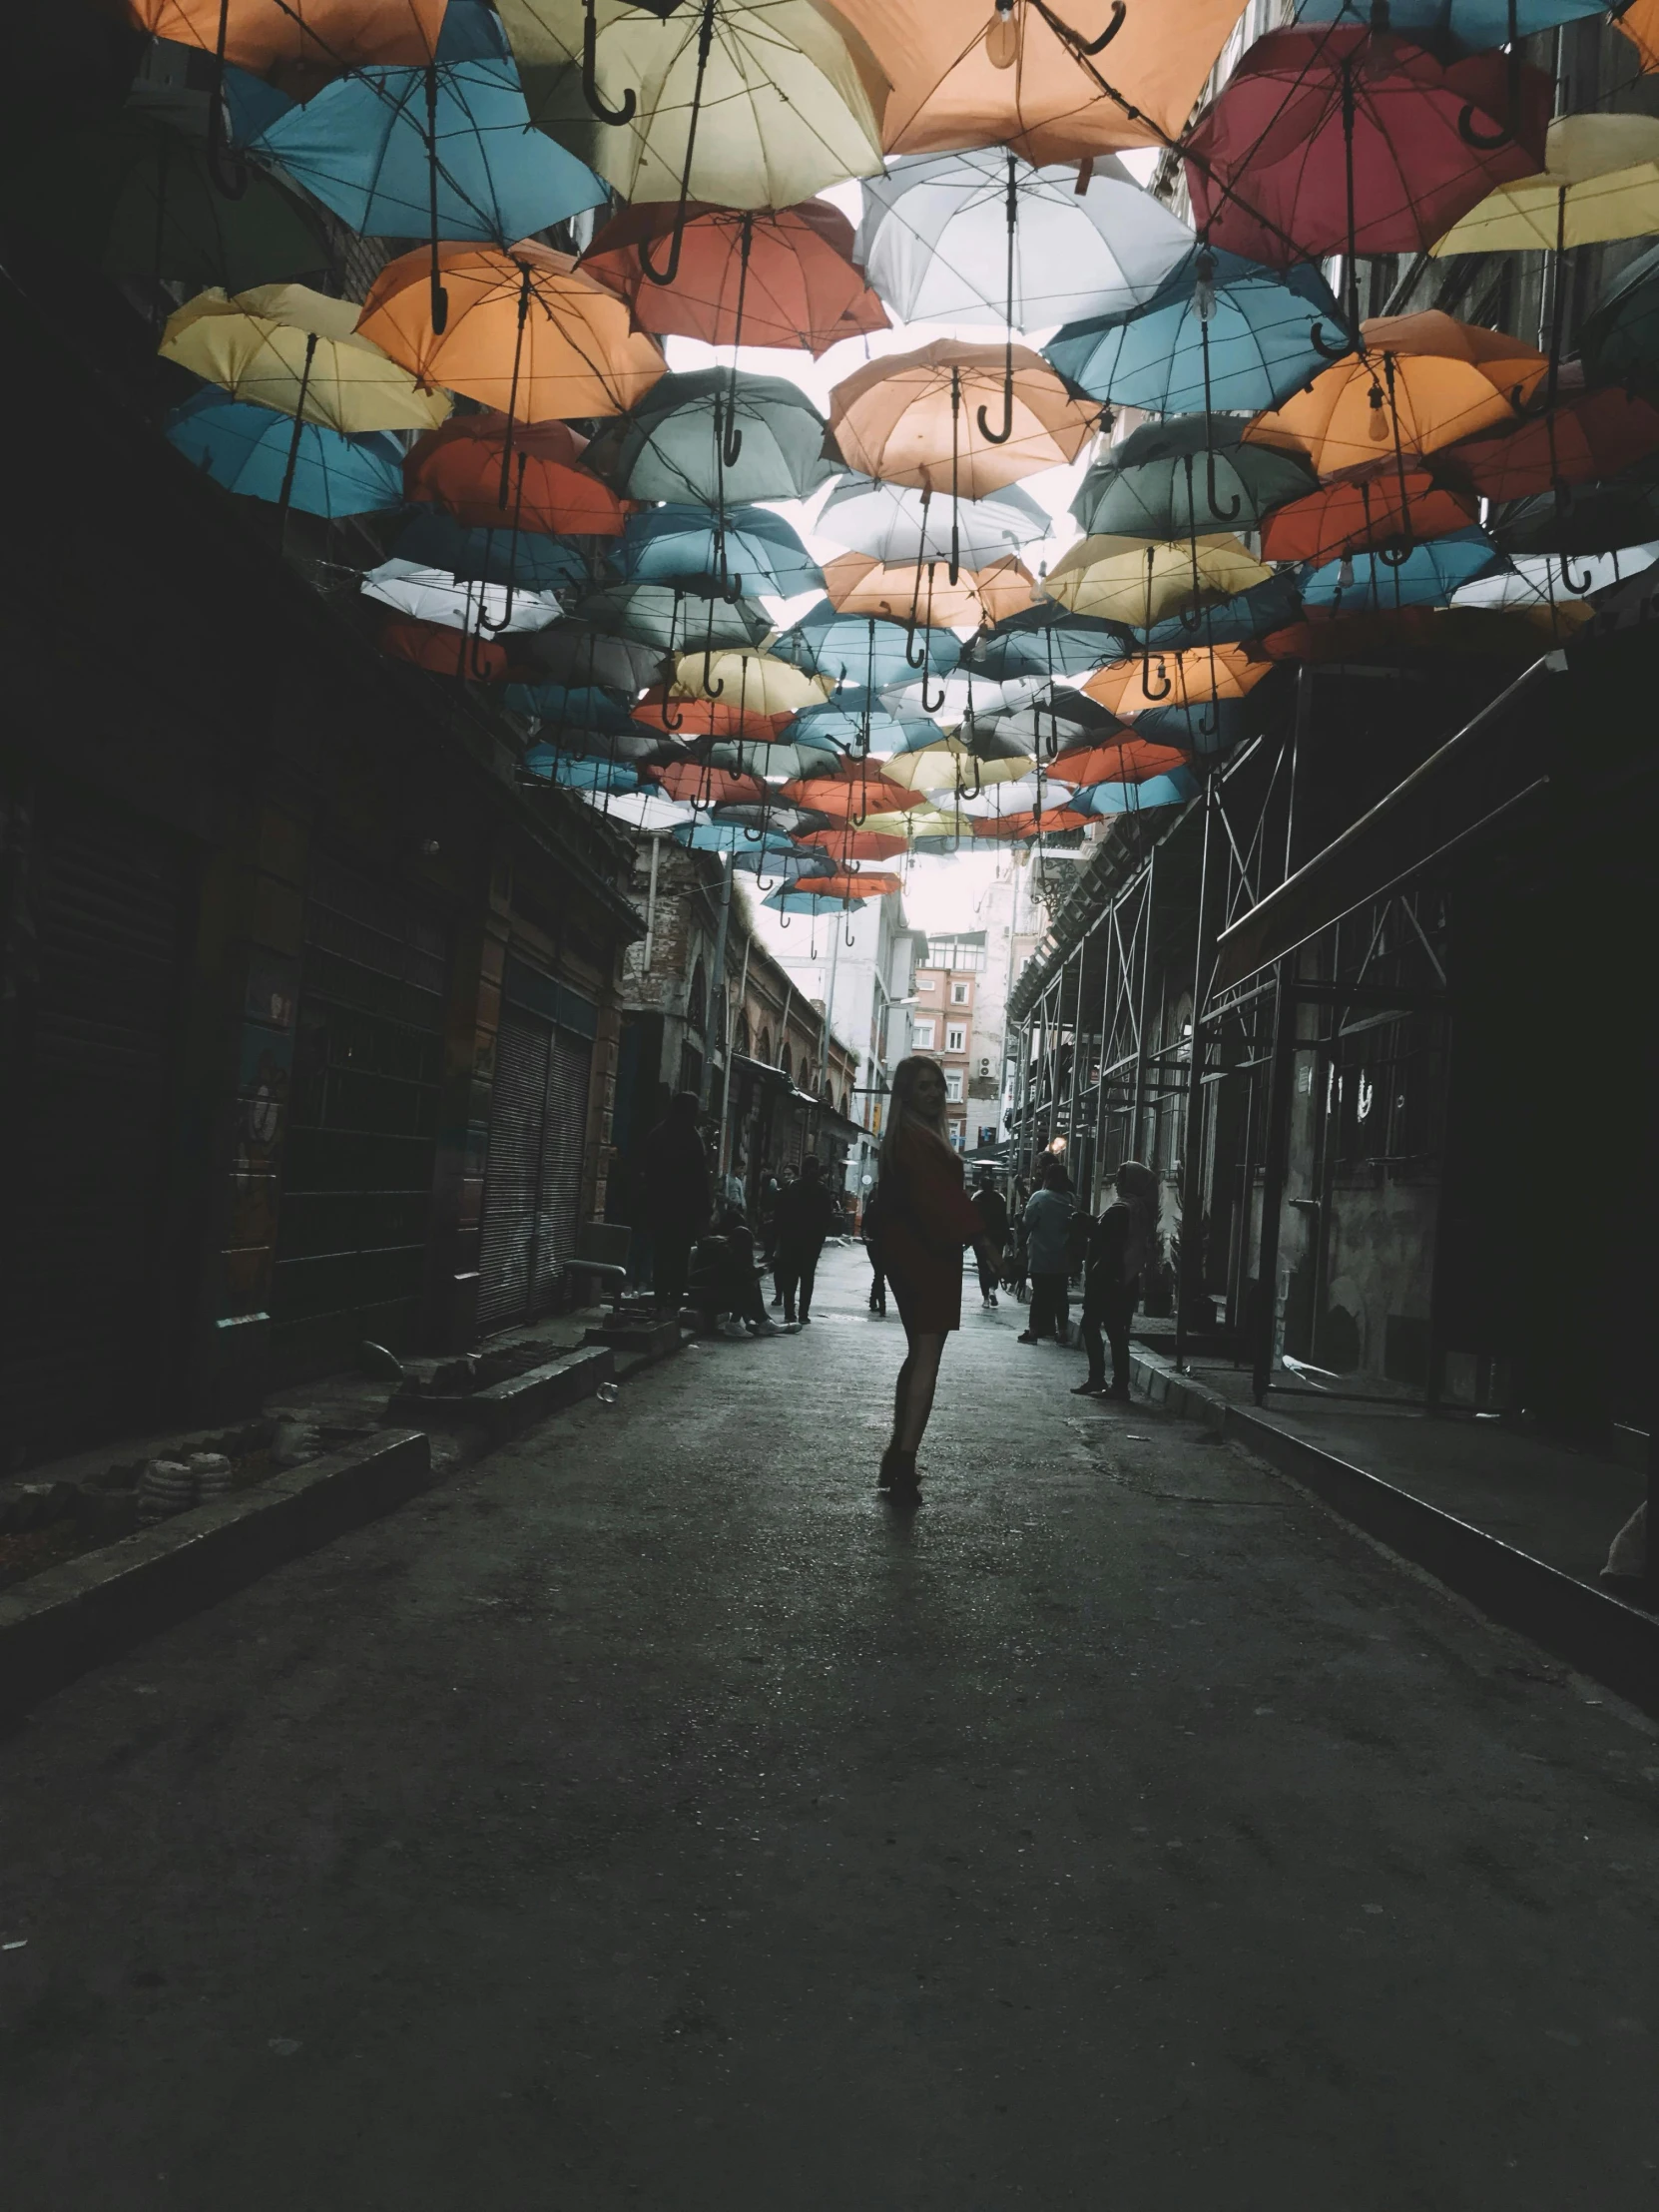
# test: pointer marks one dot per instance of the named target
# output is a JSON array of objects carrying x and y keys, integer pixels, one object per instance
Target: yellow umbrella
[
  {"x": 950, "y": 765},
  {"x": 285, "y": 346},
  {"x": 1601, "y": 181},
  {"x": 1141, "y": 581},
  {"x": 751, "y": 683},
  {"x": 1191, "y": 678},
  {"x": 743, "y": 103},
  {"x": 925, "y": 821}
]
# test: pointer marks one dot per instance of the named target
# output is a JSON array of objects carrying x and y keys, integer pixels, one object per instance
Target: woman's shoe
[
  {"x": 1095, "y": 1387},
  {"x": 899, "y": 1471}
]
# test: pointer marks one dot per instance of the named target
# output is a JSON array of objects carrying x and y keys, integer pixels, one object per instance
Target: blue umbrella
[
  {"x": 800, "y": 899},
  {"x": 763, "y": 554},
  {"x": 787, "y": 866},
  {"x": 854, "y": 714},
  {"x": 1428, "y": 577},
  {"x": 400, "y": 153},
  {"x": 576, "y": 706},
  {"x": 583, "y": 774},
  {"x": 1206, "y": 729},
  {"x": 266, "y": 455},
  {"x": 1252, "y": 350},
  {"x": 532, "y": 563},
  {"x": 864, "y": 649},
  {"x": 1171, "y": 790},
  {"x": 730, "y": 836},
  {"x": 1046, "y": 641},
  {"x": 1253, "y": 613},
  {"x": 1477, "y": 24}
]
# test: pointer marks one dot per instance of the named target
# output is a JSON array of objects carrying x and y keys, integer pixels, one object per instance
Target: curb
[
  {"x": 507, "y": 1409},
  {"x": 1589, "y": 1628},
  {"x": 89, "y": 1610}
]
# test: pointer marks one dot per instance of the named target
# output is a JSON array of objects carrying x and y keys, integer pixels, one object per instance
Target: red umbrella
[
  {"x": 1339, "y": 142},
  {"x": 1027, "y": 825},
  {"x": 458, "y": 467},
  {"x": 843, "y": 843},
  {"x": 1125, "y": 759},
  {"x": 1590, "y": 434},
  {"x": 856, "y": 789},
  {"x": 763, "y": 278},
  {"x": 862, "y": 886},
  {"x": 1361, "y": 514},
  {"x": 446, "y": 652},
  {"x": 704, "y": 786},
  {"x": 708, "y": 717}
]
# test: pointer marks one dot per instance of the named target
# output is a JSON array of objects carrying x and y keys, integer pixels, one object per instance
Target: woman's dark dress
[{"x": 925, "y": 1220}]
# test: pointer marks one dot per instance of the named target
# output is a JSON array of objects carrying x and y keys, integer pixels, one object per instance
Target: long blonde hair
[{"x": 900, "y": 1109}]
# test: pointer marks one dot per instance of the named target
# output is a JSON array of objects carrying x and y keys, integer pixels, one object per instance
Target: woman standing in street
[{"x": 925, "y": 1220}]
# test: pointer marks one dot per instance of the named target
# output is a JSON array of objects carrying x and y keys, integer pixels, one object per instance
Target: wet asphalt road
[{"x": 649, "y": 1817}]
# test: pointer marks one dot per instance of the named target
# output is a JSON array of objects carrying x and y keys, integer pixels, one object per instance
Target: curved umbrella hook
[
  {"x": 711, "y": 689},
  {"x": 732, "y": 440},
  {"x": 1222, "y": 514},
  {"x": 661, "y": 276},
  {"x": 910, "y": 658},
  {"x": 1001, "y": 437},
  {"x": 1315, "y": 338},
  {"x": 955, "y": 569},
  {"x": 1075, "y": 39},
  {"x": 232, "y": 181},
  {"x": 440, "y": 299},
  {"x": 1167, "y": 681},
  {"x": 1479, "y": 140},
  {"x": 590, "y": 81},
  {"x": 484, "y": 622},
  {"x": 1570, "y": 583}
]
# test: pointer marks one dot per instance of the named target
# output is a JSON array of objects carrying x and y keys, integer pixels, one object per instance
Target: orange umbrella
[
  {"x": 1190, "y": 679},
  {"x": 1362, "y": 513},
  {"x": 1422, "y": 381},
  {"x": 1591, "y": 434},
  {"x": 1056, "y": 83},
  {"x": 856, "y": 788},
  {"x": 704, "y": 786},
  {"x": 865, "y": 884},
  {"x": 751, "y": 277},
  {"x": 458, "y": 467},
  {"x": 526, "y": 331},
  {"x": 843, "y": 843},
  {"x": 1125, "y": 759},
  {"x": 922, "y": 592},
  {"x": 1029, "y": 825},
  {"x": 446, "y": 652},
  {"x": 708, "y": 717},
  {"x": 1639, "y": 21},
  {"x": 299, "y": 44},
  {"x": 926, "y": 418}
]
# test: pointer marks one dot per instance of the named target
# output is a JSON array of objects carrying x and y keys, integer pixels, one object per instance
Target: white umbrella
[
  {"x": 962, "y": 695},
  {"x": 934, "y": 240},
  {"x": 640, "y": 810},
  {"x": 1554, "y": 579},
  {"x": 433, "y": 595},
  {"x": 893, "y": 523}
]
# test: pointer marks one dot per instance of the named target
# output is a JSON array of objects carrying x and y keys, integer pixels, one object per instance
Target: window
[
  {"x": 924, "y": 1037},
  {"x": 958, "y": 1135},
  {"x": 958, "y": 994},
  {"x": 955, "y": 1036},
  {"x": 953, "y": 1085},
  {"x": 927, "y": 982}
]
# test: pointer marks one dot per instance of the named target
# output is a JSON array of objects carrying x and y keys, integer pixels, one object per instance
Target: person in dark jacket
[
  {"x": 805, "y": 1215},
  {"x": 676, "y": 1194},
  {"x": 992, "y": 1208},
  {"x": 1119, "y": 1246},
  {"x": 1048, "y": 1213},
  {"x": 871, "y": 1234}
]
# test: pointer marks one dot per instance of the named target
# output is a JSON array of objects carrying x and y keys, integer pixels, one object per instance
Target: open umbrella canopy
[
  {"x": 921, "y": 418},
  {"x": 1220, "y": 331},
  {"x": 250, "y": 451},
  {"x": 778, "y": 760},
  {"x": 1559, "y": 581},
  {"x": 745, "y": 684},
  {"x": 754, "y": 548},
  {"x": 577, "y": 654},
  {"x": 1618, "y": 342},
  {"x": 855, "y": 717},
  {"x": 845, "y": 846},
  {"x": 742, "y": 102},
  {"x": 1198, "y": 677},
  {"x": 1204, "y": 730},
  {"x": 895, "y": 523},
  {"x": 460, "y": 468},
  {"x": 433, "y": 539},
  {"x": 674, "y": 618},
  {"x": 830, "y": 894},
  {"x": 1598, "y": 518},
  {"x": 1140, "y": 582},
  {"x": 1467, "y": 23},
  {"x": 864, "y": 649},
  {"x": 579, "y": 775},
  {"x": 395, "y": 154},
  {"x": 1247, "y": 614},
  {"x": 1587, "y": 435},
  {"x": 579, "y": 707},
  {"x": 300, "y": 353},
  {"x": 1639, "y": 21},
  {"x": 853, "y": 791},
  {"x": 1367, "y": 583},
  {"x": 1188, "y": 473},
  {"x": 730, "y": 836},
  {"x": 441, "y": 651},
  {"x": 680, "y": 444},
  {"x": 1025, "y": 76},
  {"x": 950, "y": 765},
  {"x": 136, "y": 197},
  {"x": 1328, "y": 140},
  {"x": 300, "y": 47},
  {"x": 1128, "y": 758},
  {"x": 1422, "y": 383},
  {"x": 1046, "y": 641},
  {"x": 1173, "y": 790},
  {"x": 711, "y": 718},
  {"x": 525, "y": 331},
  {"x": 433, "y": 595},
  {"x": 921, "y": 593},
  {"x": 1364, "y": 514},
  {"x": 784, "y": 277},
  {"x": 700, "y": 783},
  {"x": 1599, "y": 181},
  {"x": 1032, "y": 821},
  {"x": 945, "y": 236},
  {"x": 779, "y": 863}
]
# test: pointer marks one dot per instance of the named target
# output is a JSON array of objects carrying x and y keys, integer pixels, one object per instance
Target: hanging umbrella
[
  {"x": 917, "y": 594},
  {"x": 690, "y": 440},
  {"x": 1221, "y": 333},
  {"x": 1472, "y": 24},
  {"x": 1200, "y": 676},
  {"x": 1329, "y": 140},
  {"x": 1062, "y": 719},
  {"x": 1139, "y": 798},
  {"x": 433, "y": 595},
  {"x": 1599, "y": 180},
  {"x": 778, "y": 760},
  {"x": 463, "y": 467},
  {"x": 575, "y": 652},
  {"x": 1127, "y": 759},
  {"x": 551, "y": 765},
  {"x": 300, "y": 353},
  {"x": 983, "y": 236},
  {"x": 1555, "y": 580},
  {"x": 750, "y": 548},
  {"x": 864, "y": 649},
  {"x": 1032, "y": 822},
  {"x": 856, "y": 789},
  {"x": 893, "y": 523},
  {"x": 1589, "y": 435},
  {"x": 1618, "y": 342},
  {"x": 611, "y": 745},
  {"x": 1365, "y": 514},
  {"x": 446, "y": 152},
  {"x": 1046, "y": 641},
  {"x": 747, "y": 683},
  {"x": 700, "y": 784},
  {"x": 137, "y": 196},
  {"x": 1248, "y": 614},
  {"x": 525, "y": 331},
  {"x": 1057, "y": 85},
  {"x": 1190, "y": 473},
  {"x": 746, "y": 276},
  {"x": 1428, "y": 577},
  {"x": 581, "y": 706},
  {"x": 730, "y": 836},
  {"x": 784, "y": 864},
  {"x": 674, "y": 618},
  {"x": 1139, "y": 582},
  {"x": 855, "y": 717},
  {"x": 1597, "y": 518},
  {"x": 844, "y": 844},
  {"x": 433, "y": 539},
  {"x": 919, "y": 419},
  {"x": 300, "y": 47},
  {"x": 1422, "y": 383},
  {"x": 1204, "y": 730},
  {"x": 949, "y": 766},
  {"x": 703, "y": 718},
  {"x": 442, "y": 651},
  {"x": 265, "y": 455},
  {"x": 1639, "y": 21}
]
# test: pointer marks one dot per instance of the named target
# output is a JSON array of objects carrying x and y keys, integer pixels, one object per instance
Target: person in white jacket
[{"x": 1048, "y": 1231}]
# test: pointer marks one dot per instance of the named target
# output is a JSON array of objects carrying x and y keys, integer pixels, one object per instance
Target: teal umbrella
[
  {"x": 754, "y": 549},
  {"x": 864, "y": 649},
  {"x": 674, "y": 618},
  {"x": 1186, "y": 474},
  {"x": 1619, "y": 339},
  {"x": 266, "y": 455},
  {"x": 1046, "y": 641},
  {"x": 688, "y": 440}
]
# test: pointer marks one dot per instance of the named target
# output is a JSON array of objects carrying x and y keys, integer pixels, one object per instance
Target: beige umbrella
[
  {"x": 1601, "y": 181},
  {"x": 921, "y": 418},
  {"x": 950, "y": 765},
  {"x": 300, "y": 353},
  {"x": 751, "y": 683},
  {"x": 1141, "y": 581}
]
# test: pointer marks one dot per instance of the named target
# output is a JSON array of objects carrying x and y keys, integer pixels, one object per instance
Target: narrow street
[{"x": 650, "y": 1816}]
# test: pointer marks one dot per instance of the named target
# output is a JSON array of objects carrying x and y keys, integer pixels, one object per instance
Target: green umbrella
[
  {"x": 675, "y": 620},
  {"x": 1187, "y": 473},
  {"x": 136, "y": 198},
  {"x": 716, "y": 439}
]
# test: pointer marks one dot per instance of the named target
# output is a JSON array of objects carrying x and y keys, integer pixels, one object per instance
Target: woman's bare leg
[{"x": 913, "y": 1398}]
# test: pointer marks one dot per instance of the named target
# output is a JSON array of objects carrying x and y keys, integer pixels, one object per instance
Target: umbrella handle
[
  {"x": 1097, "y": 46},
  {"x": 1001, "y": 437},
  {"x": 1579, "y": 591},
  {"x": 705, "y": 39},
  {"x": 1209, "y": 723},
  {"x": 1478, "y": 139},
  {"x": 439, "y": 298},
  {"x": 1221, "y": 513},
  {"x": 711, "y": 689},
  {"x": 1167, "y": 681},
  {"x": 484, "y": 622},
  {"x": 1315, "y": 338},
  {"x": 930, "y": 707},
  {"x": 230, "y": 181},
  {"x": 1396, "y": 553},
  {"x": 590, "y": 82},
  {"x": 671, "y": 721}
]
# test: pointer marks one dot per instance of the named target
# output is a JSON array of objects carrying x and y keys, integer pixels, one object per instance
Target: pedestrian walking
[
  {"x": 806, "y": 1216},
  {"x": 992, "y": 1208},
  {"x": 1120, "y": 1243},
  {"x": 871, "y": 1234},
  {"x": 676, "y": 1196},
  {"x": 784, "y": 1181},
  {"x": 1048, "y": 1213},
  {"x": 925, "y": 1220}
]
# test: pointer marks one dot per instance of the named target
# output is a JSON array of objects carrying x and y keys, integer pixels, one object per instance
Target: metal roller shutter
[
  {"x": 562, "y": 1150},
  {"x": 507, "y": 1240}
]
